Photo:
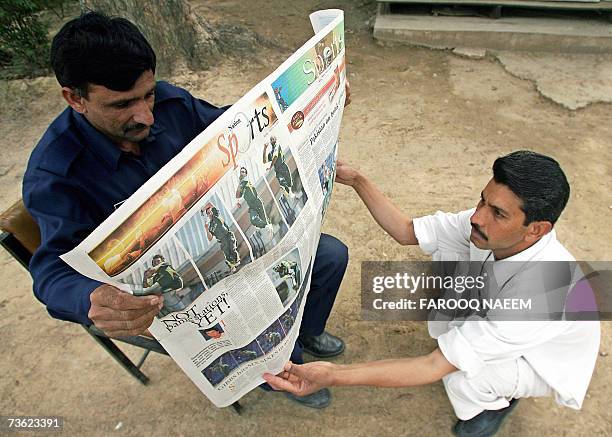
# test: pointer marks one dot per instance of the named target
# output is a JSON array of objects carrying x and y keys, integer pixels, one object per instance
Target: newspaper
[{"x": 228, "y": 230}]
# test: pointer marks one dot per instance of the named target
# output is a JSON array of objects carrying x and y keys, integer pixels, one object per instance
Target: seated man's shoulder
[
  {"x": 166, "y": 91},
  {"x": 57, "y": 149},
  {"x": 167, "y": 95}
]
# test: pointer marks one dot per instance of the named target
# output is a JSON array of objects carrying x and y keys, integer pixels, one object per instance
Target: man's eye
[
  {"x": 121, "y": 105},
  {"x": 498, "y": 214},
  {"x": 150, "y": 95}
]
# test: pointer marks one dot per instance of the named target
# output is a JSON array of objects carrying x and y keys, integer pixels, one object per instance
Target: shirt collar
[
  {"x": 97, "y": 142},
  {"x": 504, "y": 269},
  {"x": 101, "y": 145}
]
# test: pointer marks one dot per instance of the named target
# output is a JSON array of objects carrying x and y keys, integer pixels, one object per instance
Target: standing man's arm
[
  {"x": 304, "y": 379},
  {"x": 387, "y": 215}
]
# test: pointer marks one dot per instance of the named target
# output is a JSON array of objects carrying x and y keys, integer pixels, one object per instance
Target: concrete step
[
  {"x": 564, "y": 35},
  {"x": 579, "y": 5}
]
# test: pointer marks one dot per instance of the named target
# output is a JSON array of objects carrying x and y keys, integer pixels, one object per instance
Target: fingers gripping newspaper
[{"x": 227, "y": 231}]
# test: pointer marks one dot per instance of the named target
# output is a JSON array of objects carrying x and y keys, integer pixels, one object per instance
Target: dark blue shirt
[{"x": 76, "y": 176}]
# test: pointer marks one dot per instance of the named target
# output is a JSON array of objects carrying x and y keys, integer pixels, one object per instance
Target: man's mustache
[
  {"x": 135, "y": 127},
  {"x": 476, "y": 229}
]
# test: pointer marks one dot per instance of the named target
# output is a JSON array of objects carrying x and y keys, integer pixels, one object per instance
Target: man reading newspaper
[{"x": 120, "y": 128}]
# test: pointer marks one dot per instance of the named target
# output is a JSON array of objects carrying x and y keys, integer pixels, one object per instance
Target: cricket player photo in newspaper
[
  {"x": 166, "y": 270},
  {"x": 288, "y": 318},
  {"x": 283, "y": 176},
  {"x": 214, "y": 240},
  {"x": 286, "y": 275},
  {"x": 247, "y": 353},
  {"x": 271, "y": 337},
  {"x": 219, "y": 369},
  {"x": 253, "y": 207}
]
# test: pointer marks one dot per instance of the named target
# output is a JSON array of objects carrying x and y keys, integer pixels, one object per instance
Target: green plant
[
  {"x": 55, "y": 6},
  {"x": 23, "y": 37}
]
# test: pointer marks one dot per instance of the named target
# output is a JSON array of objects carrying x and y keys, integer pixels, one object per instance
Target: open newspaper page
[{"x": 227, "y": 231}]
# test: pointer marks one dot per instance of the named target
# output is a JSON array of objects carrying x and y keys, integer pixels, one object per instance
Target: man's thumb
[{"x": 297, "y": 370}]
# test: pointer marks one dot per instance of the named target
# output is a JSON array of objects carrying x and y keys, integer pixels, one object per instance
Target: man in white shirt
[{"x": 486, "y": 364}]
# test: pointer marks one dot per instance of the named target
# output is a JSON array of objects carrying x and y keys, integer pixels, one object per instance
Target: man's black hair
[
  {"x": 97, "y": 49},
  {"x": 537, "y": 180}
]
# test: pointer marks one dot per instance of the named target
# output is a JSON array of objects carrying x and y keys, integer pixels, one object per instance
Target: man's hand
[
  {"x": 302, "y": 380},
  {"x": 345, "y": 174},
  {"x": 120, "y": 314}
]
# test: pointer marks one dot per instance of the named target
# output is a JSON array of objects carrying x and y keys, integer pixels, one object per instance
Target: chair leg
[
  {"x": 142, "y": 359},
  {"x": 237, "y": 407},
  {"x": 121, "y": 358}
]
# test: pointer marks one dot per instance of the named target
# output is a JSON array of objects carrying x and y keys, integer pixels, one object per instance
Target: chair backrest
[
  {"x": 17, "y": 221},
  {"x": 21, "y": 235}
]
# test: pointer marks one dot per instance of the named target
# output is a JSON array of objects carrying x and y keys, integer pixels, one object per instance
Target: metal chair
[{"x": 21, "y": 237}]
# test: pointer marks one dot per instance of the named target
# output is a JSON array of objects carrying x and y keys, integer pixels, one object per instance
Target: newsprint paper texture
[{"x": 227, "y": 231}]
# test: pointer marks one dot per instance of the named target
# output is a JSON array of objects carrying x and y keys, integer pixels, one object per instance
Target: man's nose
[
  {"x": 477, "y": 217},
  {"x": 143, "y": 113}
]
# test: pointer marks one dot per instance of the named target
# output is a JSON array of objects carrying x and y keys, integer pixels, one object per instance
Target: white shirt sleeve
[{"x": 446, "y": 236}]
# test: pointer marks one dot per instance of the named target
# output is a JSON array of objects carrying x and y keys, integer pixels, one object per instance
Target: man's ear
[
  {"x": 536, "y": 230},
  {"x": 74, "y": 98}
]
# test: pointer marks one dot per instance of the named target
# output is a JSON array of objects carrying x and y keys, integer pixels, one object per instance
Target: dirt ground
[{"x": 425, "y": 126}]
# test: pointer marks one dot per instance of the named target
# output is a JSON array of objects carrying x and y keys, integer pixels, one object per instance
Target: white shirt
[{"x": 563, "y": 353}]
